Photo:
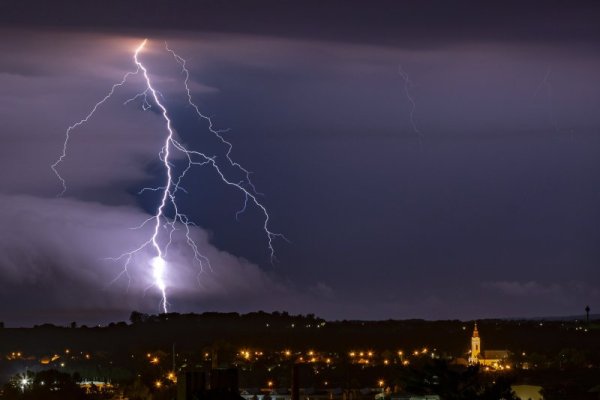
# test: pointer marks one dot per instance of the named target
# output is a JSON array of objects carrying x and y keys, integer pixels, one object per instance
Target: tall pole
[
  {"x": 587, "y": 314},
  {"x": 173, "y": 358}
]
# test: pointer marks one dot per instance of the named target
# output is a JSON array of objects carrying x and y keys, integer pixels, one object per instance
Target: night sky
[{"x": 490, "y": 209}]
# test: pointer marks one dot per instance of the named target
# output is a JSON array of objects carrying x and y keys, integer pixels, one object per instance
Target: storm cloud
[{"x": 502, "y": 191}]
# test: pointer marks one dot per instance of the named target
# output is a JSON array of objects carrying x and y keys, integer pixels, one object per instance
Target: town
[{"x": 281, "y": 356}]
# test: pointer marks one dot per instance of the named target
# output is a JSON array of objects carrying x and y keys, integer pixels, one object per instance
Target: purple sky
[{"x": 494, "y": 214}]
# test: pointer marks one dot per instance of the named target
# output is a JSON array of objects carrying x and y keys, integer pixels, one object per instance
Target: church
[{"x": 497, "y": 359}]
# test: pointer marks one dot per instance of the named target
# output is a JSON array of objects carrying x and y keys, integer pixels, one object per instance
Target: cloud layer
[
  {"x": 380, "y": 226},
  {"x": 55, "y": 257}
]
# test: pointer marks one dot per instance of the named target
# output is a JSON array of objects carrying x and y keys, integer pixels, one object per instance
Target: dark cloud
[
  {"x": 409, "y": 23},
  {"x": 539, "y": 296}
]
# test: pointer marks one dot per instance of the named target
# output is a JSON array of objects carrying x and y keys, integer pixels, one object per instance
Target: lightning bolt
[
  {"x": 172, "y": 184},
  {"x": 546, "y": 86},
  {"x": 407, "y": 85},
  {"x": 246, "y": 187},
  {"x": 63, "y": 155}
]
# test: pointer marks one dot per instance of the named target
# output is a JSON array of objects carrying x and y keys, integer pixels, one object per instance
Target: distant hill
[
  {"x": 193, "y": 332},
  {"x": 581, "y": 317}
]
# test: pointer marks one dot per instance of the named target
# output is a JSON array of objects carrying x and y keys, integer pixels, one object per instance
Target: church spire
[{"x": 475, "y": 346}]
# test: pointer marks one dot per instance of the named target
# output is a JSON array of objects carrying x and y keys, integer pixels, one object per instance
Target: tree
[
  {"x": 137, "y": 317},
  {"x": 137, "y": 391}
]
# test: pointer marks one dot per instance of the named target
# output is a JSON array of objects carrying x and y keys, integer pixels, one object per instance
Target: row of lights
[
  {"x": 313, "y": 357},
  {"x": 380, "y": 383}
]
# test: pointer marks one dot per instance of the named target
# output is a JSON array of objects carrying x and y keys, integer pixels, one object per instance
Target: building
[
  {"x": 216, "y": 384},
  {"x": 497, "y": 359}
]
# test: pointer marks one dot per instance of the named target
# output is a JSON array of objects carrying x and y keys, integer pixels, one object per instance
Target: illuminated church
[{"x": 497, "y": 359}]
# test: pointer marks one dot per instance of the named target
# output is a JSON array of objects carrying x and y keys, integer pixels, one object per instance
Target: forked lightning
[{"x": 163, "y": 223}]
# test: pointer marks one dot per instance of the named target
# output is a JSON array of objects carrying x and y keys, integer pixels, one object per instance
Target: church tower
[{"x": 475, "y": 346}]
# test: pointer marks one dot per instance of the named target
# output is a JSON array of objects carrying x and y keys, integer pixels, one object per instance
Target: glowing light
[
  {"x": 172, "y": 377},
  {"x": 172, "y": 183},
  {"x": 158, "y": 271},
  {"x": 24, "y": 382}
]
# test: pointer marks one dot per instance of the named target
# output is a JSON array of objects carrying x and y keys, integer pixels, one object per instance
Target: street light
[{"x": 24, "y": 383}]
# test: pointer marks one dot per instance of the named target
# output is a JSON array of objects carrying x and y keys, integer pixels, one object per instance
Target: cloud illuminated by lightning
[{"x": 161, "y": 221}]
